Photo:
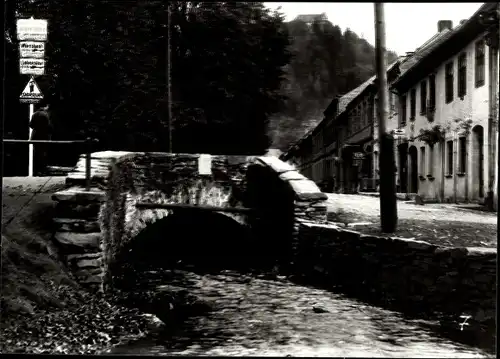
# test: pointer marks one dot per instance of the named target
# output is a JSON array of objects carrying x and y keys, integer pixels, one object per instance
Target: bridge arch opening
[{"x": 186, "y": 239}]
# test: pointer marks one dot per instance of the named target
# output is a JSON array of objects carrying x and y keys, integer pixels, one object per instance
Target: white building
[{"x": 451, "y": 86}]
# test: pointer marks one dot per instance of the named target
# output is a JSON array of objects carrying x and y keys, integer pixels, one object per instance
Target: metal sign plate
[
  {"x": 29, "y": 66},
  {"x": 32, "y": 49},
  {"x": 32, "y": 29},
  {"x": 31, "y": 93}
]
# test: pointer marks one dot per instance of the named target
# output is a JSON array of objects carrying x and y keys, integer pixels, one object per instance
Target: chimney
[
  {"x": 445, "y": 24},
  {"x": 462, "y": 22}
]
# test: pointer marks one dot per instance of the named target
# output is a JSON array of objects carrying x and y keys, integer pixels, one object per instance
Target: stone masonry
[
  {"x": 407, "y": 273},
  {"x": 102, "y": 220}
]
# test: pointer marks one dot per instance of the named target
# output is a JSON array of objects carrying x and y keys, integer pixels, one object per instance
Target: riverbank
[{"x": 42, "y": 309}]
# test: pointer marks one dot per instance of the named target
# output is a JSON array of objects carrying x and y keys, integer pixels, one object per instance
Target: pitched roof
[
  {"x": 344, "y": 102},
  {"x": 435, "y": 43},
  {"x": 424, "y": 50},
  {"x": 352, "y": 95}
]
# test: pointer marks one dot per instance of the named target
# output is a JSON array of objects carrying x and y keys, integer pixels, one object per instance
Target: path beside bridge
[{"x": 438, "y": 223}]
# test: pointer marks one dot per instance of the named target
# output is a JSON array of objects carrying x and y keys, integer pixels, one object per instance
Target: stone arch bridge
[{"x": 93, "y": 227}]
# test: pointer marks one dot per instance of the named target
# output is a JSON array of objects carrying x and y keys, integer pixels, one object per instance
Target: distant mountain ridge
[{"x": 326, "y": 62}]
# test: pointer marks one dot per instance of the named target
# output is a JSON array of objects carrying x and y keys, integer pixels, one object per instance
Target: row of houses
[{"x": 442, "y": 105}]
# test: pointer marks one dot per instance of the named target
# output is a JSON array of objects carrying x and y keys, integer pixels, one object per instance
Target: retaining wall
[{"x": 395, "y": 271}]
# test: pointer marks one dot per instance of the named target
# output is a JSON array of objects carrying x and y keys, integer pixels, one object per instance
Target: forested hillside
[{"x": 326, "y": 62}]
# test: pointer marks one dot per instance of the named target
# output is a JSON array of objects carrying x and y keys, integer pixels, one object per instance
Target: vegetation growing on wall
[{"x": 432, "y": 135}]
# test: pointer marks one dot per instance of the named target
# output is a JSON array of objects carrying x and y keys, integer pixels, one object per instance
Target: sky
[{"x": 407, "y": 25}]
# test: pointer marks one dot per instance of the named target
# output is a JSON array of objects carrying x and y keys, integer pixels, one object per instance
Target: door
[
  {"x": 413, "y": 169},
  {"x": 403, "y": 167},
  {"x": 477, "y": 162}
]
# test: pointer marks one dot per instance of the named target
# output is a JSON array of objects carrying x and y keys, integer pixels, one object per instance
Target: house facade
[
  {"x": 442, "y": 106},
  {"x": 448, "y": 151}
]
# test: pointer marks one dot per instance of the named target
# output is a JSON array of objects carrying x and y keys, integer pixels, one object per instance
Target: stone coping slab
[
  {"x": 440, "y": 248},
  {"x": 78, "y": 194}
]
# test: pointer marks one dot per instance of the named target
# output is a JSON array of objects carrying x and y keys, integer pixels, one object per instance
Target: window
[
  {"x": 403, "y": 110},
  {"x": 480, "y": 63},
  {"x": 449, "y": 147},
  {"x": 462, "y": 75},
  {"x": 463, "y": 154},
  {"x": 432, "y": 92},
  {"x": 423, "y": 97},
  {"x": 449, "y": 82},
  {"x": 431, "y": 160},
  {"x": 422, "y": 161},
  {"x": 392, "y": 105},
  {"x": 370, "y": 112},
  {"x": 413, "y": 103},
  {"x": 366, "y": 119}
]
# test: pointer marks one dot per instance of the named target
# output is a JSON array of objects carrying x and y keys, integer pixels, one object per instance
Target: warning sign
[{"x": 31, "y": 93}]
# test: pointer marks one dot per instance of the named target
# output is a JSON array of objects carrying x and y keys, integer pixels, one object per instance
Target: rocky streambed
[{"x": 262, "y": 314}]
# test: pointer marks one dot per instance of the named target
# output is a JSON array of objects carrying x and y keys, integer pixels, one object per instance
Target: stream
[{"x": 254, "y": 316}]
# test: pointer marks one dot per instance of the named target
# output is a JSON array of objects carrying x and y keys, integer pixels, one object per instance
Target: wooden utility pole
[
  {"x": 169, "y": 81},
  {"x": 388, "y": 205}
]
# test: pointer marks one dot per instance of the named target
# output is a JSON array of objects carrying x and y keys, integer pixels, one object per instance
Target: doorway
[
  {"x": 477, "y": 162},
  {"x": 413, "y": 169},
  {"x": 403, "y": 167}
]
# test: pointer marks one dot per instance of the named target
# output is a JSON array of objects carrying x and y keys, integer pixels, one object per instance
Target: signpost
[
  {"x": 32, "y": 34},
  {"x": 31, "y": 95}
]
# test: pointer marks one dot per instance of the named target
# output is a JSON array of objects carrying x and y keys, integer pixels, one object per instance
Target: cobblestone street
[
  {"x": 446, "y": 224},
  {"x": 370, "y": 207}
]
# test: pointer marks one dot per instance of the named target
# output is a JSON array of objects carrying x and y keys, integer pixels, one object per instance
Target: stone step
[
  {"x": 72, "y": 210},
  {"x": 76, "y": 225},
  {"x": 80, "y": 195},
  {"x": 92, "y": 279},
  {"x": 87, "y": 273},
  {"x": 92, "y": 255},
  {"x": 79, "y": 240}
]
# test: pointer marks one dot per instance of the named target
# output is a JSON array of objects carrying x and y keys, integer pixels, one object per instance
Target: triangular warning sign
[{"x": 31, "y": 90}]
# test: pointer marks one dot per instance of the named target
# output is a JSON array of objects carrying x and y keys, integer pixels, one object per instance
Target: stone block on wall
[{"x": 399, "y": 270}]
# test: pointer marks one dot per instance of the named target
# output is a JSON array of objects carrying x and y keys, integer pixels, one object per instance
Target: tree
[
  {"x": 106, "y": 66},
  {"x": 325, "y": 63},
  {"x": 232, "y": 54}
]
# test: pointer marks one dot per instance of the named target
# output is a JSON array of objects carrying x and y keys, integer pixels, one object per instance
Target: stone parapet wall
[
  {"x": 120, "y": 179},
  {"x": 401, "y": 272}
]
